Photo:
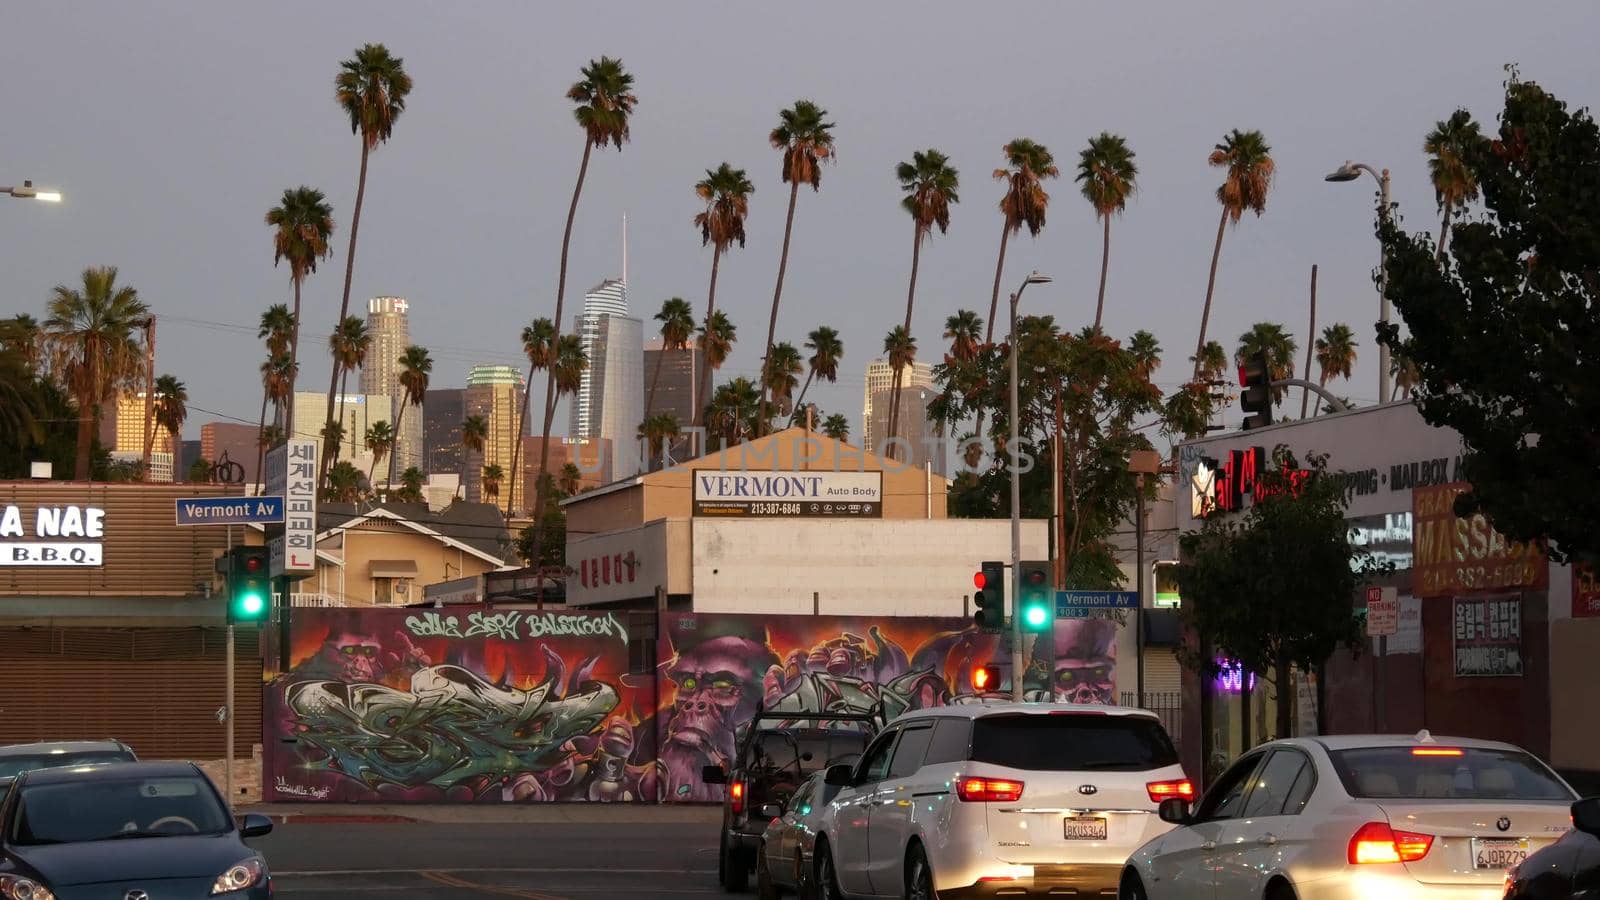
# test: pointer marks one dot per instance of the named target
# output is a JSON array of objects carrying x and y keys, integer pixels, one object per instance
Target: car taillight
[
  {"x": 1181, "y": 788},
  {"x": 988, "y": 790},
  {"x": 1376, "y": 842},
  {"x": 736, "y": 794}
]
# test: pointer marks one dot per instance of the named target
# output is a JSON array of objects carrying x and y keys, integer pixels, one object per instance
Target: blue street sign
[
  {"x": 1076, "y": 604},
  {"x": 229, "y": 510}
]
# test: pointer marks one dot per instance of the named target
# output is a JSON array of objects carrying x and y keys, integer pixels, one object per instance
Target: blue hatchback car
[{"x": 126, "y": 830}]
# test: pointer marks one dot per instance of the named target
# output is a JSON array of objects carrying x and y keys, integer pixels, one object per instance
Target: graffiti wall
[{"x": 470, "y": 705}]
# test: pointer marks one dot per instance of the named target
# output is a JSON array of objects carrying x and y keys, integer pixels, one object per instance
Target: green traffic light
[
  {"x": 1035, "y": 615},
  {"x": 252, "y": 604}
]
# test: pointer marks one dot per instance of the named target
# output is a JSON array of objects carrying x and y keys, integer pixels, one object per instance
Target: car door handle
[
  {"x": 1267, "y": 840},
  {"x": 1209, "y": 845}
]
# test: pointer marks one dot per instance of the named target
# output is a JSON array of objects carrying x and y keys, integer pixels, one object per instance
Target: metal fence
[{"x": 1168, "y": 705}]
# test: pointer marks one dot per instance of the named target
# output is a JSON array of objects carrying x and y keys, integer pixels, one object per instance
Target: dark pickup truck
[{"x": 777, "y": 753}]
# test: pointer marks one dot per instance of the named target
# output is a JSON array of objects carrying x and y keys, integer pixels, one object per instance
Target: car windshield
[
  {"x": 96, "y": 809},
  {"x": 1446, "y": 773},
  {"x": 12, "y": 766},
  {"x": 805, "y": 752},
  {"x": 1072, "y": 742}
]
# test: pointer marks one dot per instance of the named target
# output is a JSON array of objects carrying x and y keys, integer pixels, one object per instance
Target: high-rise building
[
  {"x": 494, "y": 392},
  {"x": 917, "y": 391},
  {"x": 388, "y": 324},
  {"x": 672, "y": 380},
  {"x": 356, "y": 412},
  {"x": 238, "y": 441},
  {"x": 609, "y": 403},
  {"x": 592, "y": 459},
  {"x": 122, "y": 434},
  {"x": 443, "y": 410}
]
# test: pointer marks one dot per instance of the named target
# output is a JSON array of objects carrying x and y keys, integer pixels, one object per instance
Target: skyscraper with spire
[
  {"x": 609, "y": 403},
  {"x": 388, "y": 324}
]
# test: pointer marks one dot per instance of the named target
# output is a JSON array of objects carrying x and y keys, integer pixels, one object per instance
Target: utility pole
[{"x": 150, "y": 395}]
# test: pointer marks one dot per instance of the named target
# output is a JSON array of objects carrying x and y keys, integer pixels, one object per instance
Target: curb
[{"x": 309, "y": 819}]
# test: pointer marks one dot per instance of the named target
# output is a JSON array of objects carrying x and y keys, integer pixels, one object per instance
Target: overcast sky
[{"x": 172, "y": 127}]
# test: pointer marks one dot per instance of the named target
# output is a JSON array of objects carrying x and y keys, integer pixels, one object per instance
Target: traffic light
[
  {"x": 1255, "y": 396},
  {"x": 986, "y": 679},
  {"x": 249, "y": 587},
  {"x": 990, "y": 597},
  {"x": 1036, "y": 602}
]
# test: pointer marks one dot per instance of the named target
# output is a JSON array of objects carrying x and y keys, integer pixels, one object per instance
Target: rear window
[
  {"x": 1069, "y": 741},
  {"x": 1445, "y": 773},
  {"x": 805, "y": 752},
  {"x": 12, "y": 766}
]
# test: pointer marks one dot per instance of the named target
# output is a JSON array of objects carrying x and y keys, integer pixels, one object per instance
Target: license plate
[
  {"x": 1084, "y": 829},
  {"x": 1495, "y": 853}
]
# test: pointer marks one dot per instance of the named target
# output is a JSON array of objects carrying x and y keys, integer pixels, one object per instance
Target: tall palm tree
[
  {"x": 492, "y": 476},
  {"x": 89, "y": 334},
  {"x": 567, "y": 370},
  {"x": 538, "y": 345},
  {"x": 379, "y": 442},
  {"x": 781, "y": 377},
  {"x": 826, "y": 350},
  {"x": 716, "y": 340},
  {"x": 677, "y": 326},
  {"x": 837, "y": 427},
  {"x": 410, "y": 485},
  {"x": 1024, "y": 203},
  {"x": 25, "y": 337},
  {"x": 1248, "y": 161},
  {"x": 1146, "y": 352},
  {"x": 344, "y": 483},
  {"x": 303, "y": 223},
  {"x": 21, "y": 400},
  {"x": 1405, "y": 375},
  {"x": 475, "y": 436},
  {"x": 805, "y": 136},
  {"x": 371, "y": 88},
  {"x": 901, "y": 348},
  {"x": 349, "y": 344},
  {"x": 275, "y": 325},
  {"x": 1109, "y": 177},
  {"x": 962, "y": 331},
  {"x": 726, "y": 193},
  {"x": 930, "y": 185},
  {"x": 1212, "y": 362},
  {"x": 656, "y": 432},
  {"x": 734, "y": 410},
  {"x": 171, "y": 410},
  {"x": 1336, "y": 353},
  {"x": 415, "y": 367},
  {"x": 1454, "y": 183},
  {"x": 571, "y": 478},
  {"x": 1278, "y": 345},
  {"x": 604, "y": 103}
]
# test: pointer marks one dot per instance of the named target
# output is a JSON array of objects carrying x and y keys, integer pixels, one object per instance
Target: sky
[{"x": 171, "y": 128}]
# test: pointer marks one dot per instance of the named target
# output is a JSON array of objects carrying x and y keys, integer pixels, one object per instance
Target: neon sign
[
  {"x": 1222, "y": 486},
  {"x": 1231, "y": 679}
]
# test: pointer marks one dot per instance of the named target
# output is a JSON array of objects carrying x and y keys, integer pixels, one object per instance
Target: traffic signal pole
[
  {"x": 1014, "y": 449},
  {"x": 227, "y": 744}
]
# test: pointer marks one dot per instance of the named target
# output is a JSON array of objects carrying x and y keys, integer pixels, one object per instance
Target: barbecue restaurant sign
[
  {"x": 1454, "y": 556},
  {"x": 52, "y": 536}
]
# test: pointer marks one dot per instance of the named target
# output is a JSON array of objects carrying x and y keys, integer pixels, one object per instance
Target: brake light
[
  {"x": 1376, "y": 842},
  {"x": 1435, "y": 751},
  {"x": 1182, "y": 788},
  {"x": 988, "y": 790},
  {"x": 736, "y": 794}
]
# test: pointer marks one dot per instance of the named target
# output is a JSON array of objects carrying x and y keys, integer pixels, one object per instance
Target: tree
[
  {"x": 411, "y": 482},
  {"x": 415, "y": 366},
  {"x": 603, "y": 105},
  {"x": 1293, "y": 541},
  {"x": 492, "y": 475},
  {"x": 344, "y": 483},
  {"x": 276, "y": 326},
  {"x": 962, "y": 330},
  {"x": 199, "y": 472},
  {"x": 901, "y": 349},
  {"x": 171, "y": 411},
  {"x": 570, "y": 364},
  {"x": 1270, "y": 339},
  {"x": 1335, "y": 352},
  {"x": 23, "y": 335},
  {"x": 475, "y": 436},
  {"x": 379, "y": 442},
  {"x": 1024, "y": 203},
  {"x": 733, "y": 415},
  {"x": 93, "y": 353},
  {"x": 716, "y": 342},
  {"x": 930, "y": 186},
  {"x": 826, "y": 350},
  {"x": 677, "y": 326},
  {"x": 571, "y": 478},
  {"x": 1212, "y": 361},
  {"x": 349, "y": 345},
  {"x": 1454, "y": 185},
  {"x": 1505, "y": 331},
  {"x": 1247, "y": 159},
  {"x": 656, "y": 432},
  {"x": 539, "y": 346},
  {"x": 21, "y": 401},
  {"x": 781, "y": 377},
  {"x": 1109, "y": 177},
  {"x": 726, "y": 193},
  {"x": 55, "y": 439},
  {"x": 1146, "y": 352},
  {"x": 837, "y": 427},
  {"x": 302, "y": 225},
  {"x": 805, "y": 136}
]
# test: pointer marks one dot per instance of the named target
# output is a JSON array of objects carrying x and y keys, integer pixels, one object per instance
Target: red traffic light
[
  {"x": 985, "y": 678},
  {"x": 252, "y": 564},
  {"x": 978, "y": 581},
  {"x": 1034, "y": 577}
]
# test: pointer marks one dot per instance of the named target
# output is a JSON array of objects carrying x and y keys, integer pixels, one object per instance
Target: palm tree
[
  {"x": 277, "y": 323},
  {"x": 726, "y": 193},
  {"x": 1270, "y": 339},
  {"x": 349, "y": 345},
  {"x": 25, "y": 337},
  {"x": 415, "y": 366},
  {"x": 90, "y": 337},
  {"x": 656, "y": 432},
  {"x": 1454, "y": 183},
  {"x": 410, "y": 485},
  {"x": 901, "y": 348},
  {"x": 1405, "y": 375},
  {"x": 21, "y": 399},
  {"x": 1211, "y": 363},
  {"x": 475, "y": 436},
  {"x": 171, "y": 410},
  {"x": 570, "y": 364},
  {"x": 604, "y": 103},
  {"x": 1336, "y": 353},
  {"x": 1146, "y": 352},
  {"x": 805, "y": 136},
  {"x": 781, "y": 377},
  {"x": 733, "y": 411},
  {"x": 344, "y": 483},
  {"x": 837, "y": 427},
  {"x": 379, "y": 441},
  {"x": 1248, "y": 161},
  {"x": 571, "y": 478},
  {"x": 304, "y": 222},
  {"x": 962, "y": 330},
  {"x": 271, "y": 436},
  {"x": 677, "y": 326},
  {"x": 1109, "y": 177},
  {"x": 716, "y": 341},
  {"x": 492, "y": 476},
  {"x": 371, "y": 88},
  {"x": 826, "y": 350},
  {"x": 930, "y": 184},
  {"x": 1025, "y": 203},
  {"x": 538, "y": 345}
]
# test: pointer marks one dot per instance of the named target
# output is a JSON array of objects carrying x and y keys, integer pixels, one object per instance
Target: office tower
[
  {"x": 494, "y": 392},
  {"x": 593, "y": 459},
  {"x": 443, "y": 410},
  {"x": 122, "y": 434},
  {"x": 917, "y": 391},
  {"x": 609, "y": 404},
  {"x": 357, "y": 413},
  {"x": 388, "y": 324},
  {"x": 239, "y": 442},
  {"x": 678, "y": 384}
]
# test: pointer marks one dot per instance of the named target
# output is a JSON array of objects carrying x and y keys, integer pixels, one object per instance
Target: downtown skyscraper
[
  {"x": 924, "y": 436},
  {"x": 609, "y": 403},
  {"x": 389, "y": 326}
]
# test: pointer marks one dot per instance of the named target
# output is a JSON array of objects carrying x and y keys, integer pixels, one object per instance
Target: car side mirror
[
  {"x": 772, "y": 811},
  {"x": 1586, "y": 815},
  {"x": 839, "y": 776},
  {"x": 1174, "y": 811},
  {"x": 255, "y": 825},
  {"x": 713, "y": 775}
]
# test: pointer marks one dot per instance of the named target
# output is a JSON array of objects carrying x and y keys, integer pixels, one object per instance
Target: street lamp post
[
  {"x": 1018, "y": 659},
  {"x": 1350, "y": 171},
  {"x": 26, "y": 191}
]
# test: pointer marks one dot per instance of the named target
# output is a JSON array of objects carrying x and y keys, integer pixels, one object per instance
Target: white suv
[{"x": 997, "y": 800}]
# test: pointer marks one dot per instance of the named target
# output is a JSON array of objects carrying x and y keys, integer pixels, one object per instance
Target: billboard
[
  {"x": 1488, "y": 635},
  {"x": 1458, "y": 556},
  {"x": 749, "y": 494}
]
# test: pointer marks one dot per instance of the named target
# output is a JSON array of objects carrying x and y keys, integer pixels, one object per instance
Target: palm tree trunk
[
  {"x": 911, "y": 299},
  {"x": 1211, "y": 285},
  {"x": 1105, "y": 264},
  {"x": 550, "y": 381},
  {"x": 705, "y": 370},
  {"x": 399, "y": 418},
  {"x": 150, "y": 397},
  {"x": 650, "y": 398},
  {"x": 1286, "y": 696},
  {"x": 801, "y": 403},
  {"x": 1444, "y": 232},
  {"x": 373, "y": 469},
  {"x": 261, "y": 449},
  {"x": 777, "y": 294},
  {"x": 344, "y": 303},
  {"x": 1311, "y": 340},
  {"x": 86, "y": 419},
  {"x": 994, "y": 308},
  {"x": 177, "y": 470},
  {"x": 516, "y": 445},
  {"x": 294, "y": 362}
]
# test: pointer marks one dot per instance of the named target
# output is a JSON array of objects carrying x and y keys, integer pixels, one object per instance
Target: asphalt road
[{"x": 533, "y": 861}]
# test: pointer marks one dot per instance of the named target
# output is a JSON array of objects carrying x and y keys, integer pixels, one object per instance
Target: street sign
[
  {"x": 292, "y": 474},
  {"x": 1068, "y": 602},
  {"x": 1383, "y": 612},
  {"x": 229, "y": 510}
]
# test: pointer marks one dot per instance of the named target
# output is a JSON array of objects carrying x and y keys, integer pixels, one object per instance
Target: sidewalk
[{"x": 487, "y": 813}]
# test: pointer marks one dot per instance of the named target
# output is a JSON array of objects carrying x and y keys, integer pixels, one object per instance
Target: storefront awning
[{"x": 393, "y": 568}]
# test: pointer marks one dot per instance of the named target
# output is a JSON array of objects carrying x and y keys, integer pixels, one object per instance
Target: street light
[
  {"x": 1018, "y": 664},
  {"x": 26, "y": 191},
  {"x": 1350, "y": 171}
]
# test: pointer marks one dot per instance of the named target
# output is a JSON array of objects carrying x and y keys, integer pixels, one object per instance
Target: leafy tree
[
  {"x": 199, "y": 472},
  {"x": 20, "y": 401},
  {"x": 302, "y": 224},
  {"x": 726, "y": 193},
  {"x": 344, "y": 482},
  {"x": 1505, "y": 330},
  {"x": 1292, "y": 542},
  {"x": 1109, "y": 177},
  {"x": 1248, "y": 161},
  {"x": 93, "y": 352},
  {"x": 55, "y": 441},
  {"x": 826, "y": 351},
  {"x": 930, "y": 185}
]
